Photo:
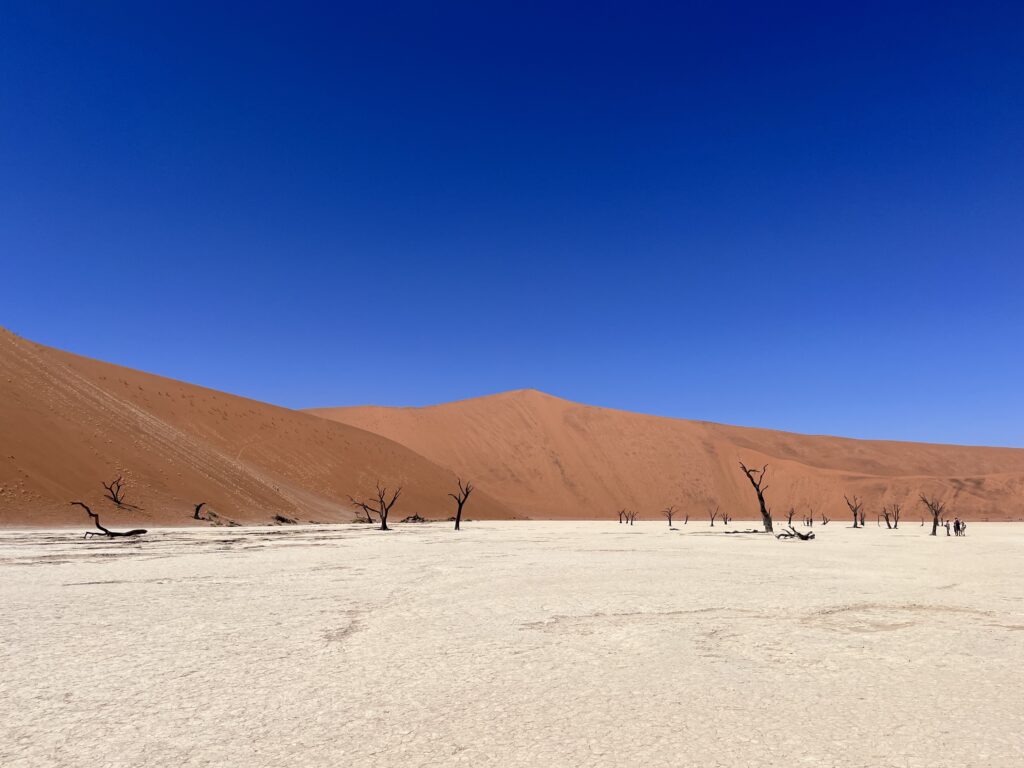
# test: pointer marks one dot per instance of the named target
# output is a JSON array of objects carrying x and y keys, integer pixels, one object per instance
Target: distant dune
[
  {"x": 551, "y": 458},
  {"x": 67, "y": 423}
]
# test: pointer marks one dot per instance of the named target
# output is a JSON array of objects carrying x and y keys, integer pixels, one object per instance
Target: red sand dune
[
  {"x": 67, "y": 423},
  {"x": 551, "y": 458}
]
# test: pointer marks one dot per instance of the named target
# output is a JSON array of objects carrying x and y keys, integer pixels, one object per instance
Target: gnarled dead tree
[
  {"x": 460, "y": 500},
  {"x": 381, "y": 505},
  {"x": 713, "y": 513},
  {"x": 789, "y": 516},
  {"x": 855, "y": 507},
  {"x": 726, "y": 519},
  {"x": 936, "y": 507},
  {"x": 895, "y": 510},
  {"x": 196, "y": 515},
  {"x": 756, "y": 478},
  {"x": 631, "y": 516},
  {"x": 793, "y": 533},
  {"x": 622, "y": 516},
  {"x": 115, "y": 491},
  {"x": 105, "y": 532},
  {"x": 669, "y": 512}
]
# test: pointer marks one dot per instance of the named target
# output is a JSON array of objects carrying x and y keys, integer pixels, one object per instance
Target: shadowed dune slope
[
  {"x": 67, "y": 422},
  {"x": 549, "y": 457}
]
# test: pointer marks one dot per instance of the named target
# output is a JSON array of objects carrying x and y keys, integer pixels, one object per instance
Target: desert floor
[{"x": 513, "y": 644}]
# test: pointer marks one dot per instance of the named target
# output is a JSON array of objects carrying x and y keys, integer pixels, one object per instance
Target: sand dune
[
  {"x": 551, "y": 458},
  {"x": 67, "y": 422}
]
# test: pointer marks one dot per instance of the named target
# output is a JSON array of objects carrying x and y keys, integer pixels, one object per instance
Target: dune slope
[
  {"x": 67, "y": 423},
  {"x": 549, "y": 457}
]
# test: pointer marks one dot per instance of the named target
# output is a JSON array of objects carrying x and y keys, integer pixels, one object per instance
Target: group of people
[{"x": 959, "y": 527}]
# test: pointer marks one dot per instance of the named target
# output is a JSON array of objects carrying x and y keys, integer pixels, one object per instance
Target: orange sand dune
[
  {"x": 67, "y": 422},
  {"x": 547, "y": 457}
]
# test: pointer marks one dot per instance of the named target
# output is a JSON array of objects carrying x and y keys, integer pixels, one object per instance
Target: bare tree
[
  {"x": 936, "y": 507},
  {"x": 196, "y": 515},
  {"x": 862, "y": 514},
  {"x": 686, "y": 518},
  {"x": 756, "y": 478},
  {"x": 855, "y": 507},
  {"x": 825, "y": 520},
  {"x": 887, "y": 516},
  {"x": 380, "y": 505},
  {"x": 713, "y": 514},
  {"x": 631, "y": 516},
  {"x": 895, "y": 510},
  {"x": 115, "y": 491},
  {"x": 669, "y": 512},
  {"x": 460, "y": 499},
  {"x": 789, "y": 516},
  {"x": 622, "y": 516},
  {"x": 96, "y": 520},
  {"x": 726, "y": 519}
]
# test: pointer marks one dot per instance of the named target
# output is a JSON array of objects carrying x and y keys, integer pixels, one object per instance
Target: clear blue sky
[{"x": 781, "y": 215}]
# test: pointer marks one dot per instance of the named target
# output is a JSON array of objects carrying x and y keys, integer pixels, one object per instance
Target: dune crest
[
  {"x": 552, "y": 458},
  {"x": 69, "y": 423}
]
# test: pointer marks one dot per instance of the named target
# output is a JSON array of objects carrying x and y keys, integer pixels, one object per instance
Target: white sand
[{"x": 508, "y": 644}]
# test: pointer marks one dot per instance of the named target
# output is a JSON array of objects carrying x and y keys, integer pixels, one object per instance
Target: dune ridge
[
  {"x": 68, "y": 423},
  {"x": 552, "y": 458}
]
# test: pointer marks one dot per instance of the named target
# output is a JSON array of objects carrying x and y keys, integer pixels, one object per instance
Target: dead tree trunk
[
  {"x": 96, "y": 520},
  {"x": 713, "y": 515},
  {"x": 895, "y": 510},
  {"x": 383, "y": 506},
  {"x": 196, "y": 515},
  {"x": 669, "y": 512},
  {"x": 460, "y": 500},
  {"x": 789, "y": 516},
  {"x": 936, "y": 507},
  {"x": 632, "y": 517},
  {"x": 686, "y": 518},
  {"x": 756, "y": 478},
  {"x": 824, "y": 519},
  {"x": 855, "y": 507},
  {"x": 887, "y": 515},
  {"x": 115, "y": 491}
]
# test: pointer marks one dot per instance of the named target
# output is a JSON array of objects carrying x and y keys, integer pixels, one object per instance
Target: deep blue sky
[{"x": 780, "y": 215}]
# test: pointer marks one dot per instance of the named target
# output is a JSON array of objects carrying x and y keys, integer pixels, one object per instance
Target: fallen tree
[{"x": 105, "y": 531}]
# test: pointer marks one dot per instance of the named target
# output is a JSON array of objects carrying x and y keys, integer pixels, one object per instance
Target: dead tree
[
  {"x": 196, "y": 515},
  {"x": 756, "y": 478},
  {"x": 793, "y": 533},
  {"x": 713, "y": 515},
  {"x": 887, "y": 516},
  {"x": 862, "y": 513},
  {"x": 460, "y": 500},
  {"x": 669, "y": 512},
  {"x": 855, "y": 507},
  {"x": 895, "y": 511},
  {"x": 105, "y": 532},
  {"x": 789, "y": 516},
  {"x": 825, "y": 520},
  {"x": 622, "y": 516},
  {"x": 380, "y": 505},
  {"x": 115, "y": 491},
  {"x": 631, "y": 516},
  {"x": 726, "y": 519},
  {"x": 936, "y": 507}
]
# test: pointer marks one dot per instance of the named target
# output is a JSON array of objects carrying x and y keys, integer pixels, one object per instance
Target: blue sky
[{"x": 780, "y": 215}]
